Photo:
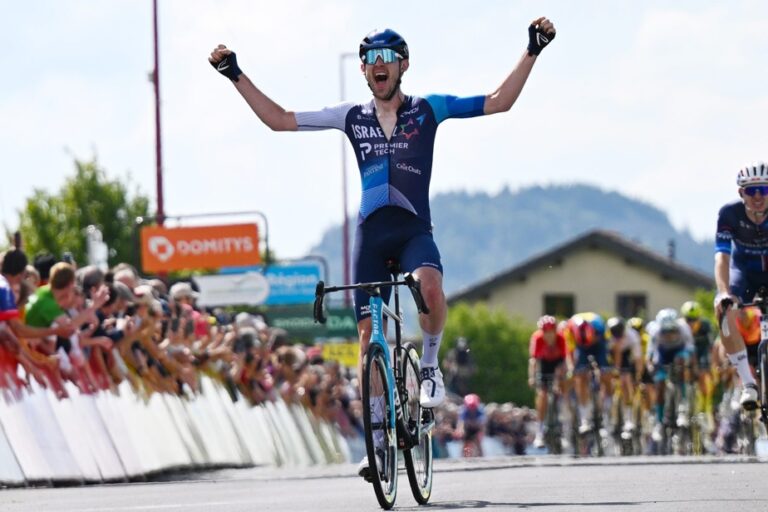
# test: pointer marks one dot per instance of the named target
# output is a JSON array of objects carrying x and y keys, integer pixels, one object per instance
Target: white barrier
[
  {"x": 119, "y": 436},
  {"x": 10, "y": 471}
]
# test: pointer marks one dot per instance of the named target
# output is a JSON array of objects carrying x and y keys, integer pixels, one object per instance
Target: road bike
[
  {"x": 591, "y": 442},
  {"x": 393, "y": 418},
  {"x": 760, "y": 301}
]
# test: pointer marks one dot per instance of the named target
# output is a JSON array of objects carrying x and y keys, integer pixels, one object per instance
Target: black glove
[
  {"x": 537, "y": 40},
  {"x": 228, "y": 67}
]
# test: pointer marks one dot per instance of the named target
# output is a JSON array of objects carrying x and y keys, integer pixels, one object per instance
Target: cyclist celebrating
[
  {"x": 624, "y": 343},
  {"x": 547, "y": 361},
  {"x": 671, "y": 341},
  {"x": 741, "y": 252},
  {"x": 393, "y": 137},
  {"x": 701, "y": 330}
]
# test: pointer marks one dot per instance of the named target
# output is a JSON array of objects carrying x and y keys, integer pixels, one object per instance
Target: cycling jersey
[
  {"x": 660, "y": 347},
  {"x": 541, "y": 350},
  {"x": 629, "y": 342},
  {"x": 396, "y": 168},
  {"x": 701, "y": 330},
  {"x": 747, "y": 244}
]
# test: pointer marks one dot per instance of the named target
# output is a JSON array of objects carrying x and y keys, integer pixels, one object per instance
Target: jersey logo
[
  {"x": 365, "y": 148},
  {"x": 409, "y": 129}
]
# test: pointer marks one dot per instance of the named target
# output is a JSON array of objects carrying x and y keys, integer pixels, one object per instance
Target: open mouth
[{"x": 380, "y": 77}]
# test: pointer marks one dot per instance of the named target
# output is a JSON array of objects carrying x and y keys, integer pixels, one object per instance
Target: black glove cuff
[{"x": 228, "y": 67}]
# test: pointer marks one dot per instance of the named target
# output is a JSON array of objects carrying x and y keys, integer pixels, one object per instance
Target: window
[
  {"x": 559, "y": 305},
  {"x": 631, "y": 304}
]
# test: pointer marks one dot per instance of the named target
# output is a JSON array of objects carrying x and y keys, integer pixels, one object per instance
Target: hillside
[{"x": 480, "y": 234}]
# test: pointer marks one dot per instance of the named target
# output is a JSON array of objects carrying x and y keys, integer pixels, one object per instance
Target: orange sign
[{"x": 231, "y": 245}]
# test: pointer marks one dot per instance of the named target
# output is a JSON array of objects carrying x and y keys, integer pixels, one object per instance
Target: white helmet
[
  {"x": 753, "y": 175},
  {"x": 667, "y": 319}
]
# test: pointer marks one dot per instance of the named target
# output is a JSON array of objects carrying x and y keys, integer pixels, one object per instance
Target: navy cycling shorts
[
  {"x": 744, "y": 285},
  {"x": 390, "y": 233}
]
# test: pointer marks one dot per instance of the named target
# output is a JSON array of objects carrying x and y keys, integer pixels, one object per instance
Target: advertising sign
[
  {"x": 299, "y": 322},
  {"x": 166, "y": 249},
  {"x": 224, "y": 290},
  {"x": 345, "y": 353},
  {"x": 288, "y": 284}
]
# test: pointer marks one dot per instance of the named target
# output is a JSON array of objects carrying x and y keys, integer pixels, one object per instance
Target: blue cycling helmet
[{"x": 386, "y": 38}]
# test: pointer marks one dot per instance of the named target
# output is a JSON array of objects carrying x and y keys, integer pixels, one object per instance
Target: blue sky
[{"x": 661, "y": 102}]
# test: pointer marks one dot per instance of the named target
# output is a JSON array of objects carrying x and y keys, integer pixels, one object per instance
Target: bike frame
[
  {"x": 760, "y": 301},
  {"x": 378, "y": 312}
]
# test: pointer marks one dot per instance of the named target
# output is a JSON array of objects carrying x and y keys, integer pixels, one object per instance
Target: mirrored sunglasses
[
  {"x": 754, "y": 189},
  {"x": 387, "y": 56}
]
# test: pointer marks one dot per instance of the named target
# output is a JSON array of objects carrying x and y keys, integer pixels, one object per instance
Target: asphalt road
[{"x": 538, "y": 483}]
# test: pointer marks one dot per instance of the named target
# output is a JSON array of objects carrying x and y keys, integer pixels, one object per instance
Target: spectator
[
  {"x": 43, "y": 263},
  {"x": 459, "y": 367}
]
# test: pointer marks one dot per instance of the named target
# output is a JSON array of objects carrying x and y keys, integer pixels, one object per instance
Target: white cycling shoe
[
  {"x": 432, "y": 387},
  {"x": 364, "y": 469},
  {"x": 748, "y": 398},
  {"x": 658, "y": 432}
]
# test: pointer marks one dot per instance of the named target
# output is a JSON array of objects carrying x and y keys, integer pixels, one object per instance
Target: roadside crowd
[{"x": 62, "y": 323}]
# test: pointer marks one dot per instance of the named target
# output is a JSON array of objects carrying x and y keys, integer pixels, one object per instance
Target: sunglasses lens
[
  {"x": 751, "y": 191},
  {"x": 387, "y": 55}
]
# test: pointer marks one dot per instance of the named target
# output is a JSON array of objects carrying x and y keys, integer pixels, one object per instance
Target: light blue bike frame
[{"x": 378, "y": 310}]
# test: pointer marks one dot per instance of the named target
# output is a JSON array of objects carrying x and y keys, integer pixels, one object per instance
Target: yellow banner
[{"x": 345, "y": 353}]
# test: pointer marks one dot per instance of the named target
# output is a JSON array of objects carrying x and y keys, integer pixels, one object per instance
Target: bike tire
[
  {"x": 418, "y": 458},
  {"x": 376, "y": 384}
]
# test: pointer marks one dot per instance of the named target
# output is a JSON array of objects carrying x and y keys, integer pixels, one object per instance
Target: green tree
[
  {"x": 56, "y": 223},
  {"x": 499, "y": 347}
]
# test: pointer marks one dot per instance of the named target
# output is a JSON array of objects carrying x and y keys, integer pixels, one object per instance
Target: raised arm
[
  {"x": 540, "y": 33},
  {"x": 270, "y": 113}
]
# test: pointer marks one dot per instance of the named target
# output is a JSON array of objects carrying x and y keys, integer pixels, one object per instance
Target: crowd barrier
[{"x": 123, "y": 436}]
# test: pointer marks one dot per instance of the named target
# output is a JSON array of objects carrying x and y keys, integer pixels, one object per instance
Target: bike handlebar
[{"x": 372, "y": 289}]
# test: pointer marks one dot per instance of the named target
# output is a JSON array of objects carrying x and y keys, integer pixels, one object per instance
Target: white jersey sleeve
[
  {"x": 633, "y": 340},
  {"x": 325, "y": 119}
]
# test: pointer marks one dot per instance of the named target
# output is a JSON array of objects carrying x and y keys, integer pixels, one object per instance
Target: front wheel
[
  {"x": 419, "y": 423},
  {"x": 380, "y": 432}
]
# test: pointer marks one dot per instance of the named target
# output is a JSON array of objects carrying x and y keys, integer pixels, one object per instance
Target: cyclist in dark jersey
[
  {"x": 703, "y": 341},
  {"x": 393, "y": 139},
  {"x": 741, "y": 263}
]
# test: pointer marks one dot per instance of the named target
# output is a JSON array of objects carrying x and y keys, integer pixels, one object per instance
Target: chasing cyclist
[
  {"x": 741, "y": 264},
  {"x": 703, "y": 341},
  {"x": 671, "y": 343},
  {"x": 547, "y": 366},
  {"x": 586, "y": 332},
  {"x": 625, "y": 347}
]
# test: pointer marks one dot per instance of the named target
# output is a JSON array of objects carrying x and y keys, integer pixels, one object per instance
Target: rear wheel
[
  {"x": 380, "y": 432},
  {"x": 419, "y": 423}
]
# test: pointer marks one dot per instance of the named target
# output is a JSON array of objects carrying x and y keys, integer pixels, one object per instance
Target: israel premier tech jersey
[
  {"x": 747, "y": 244},
  {"x": 745, "y": 241},
  {"x": 395, "y": 171}
]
